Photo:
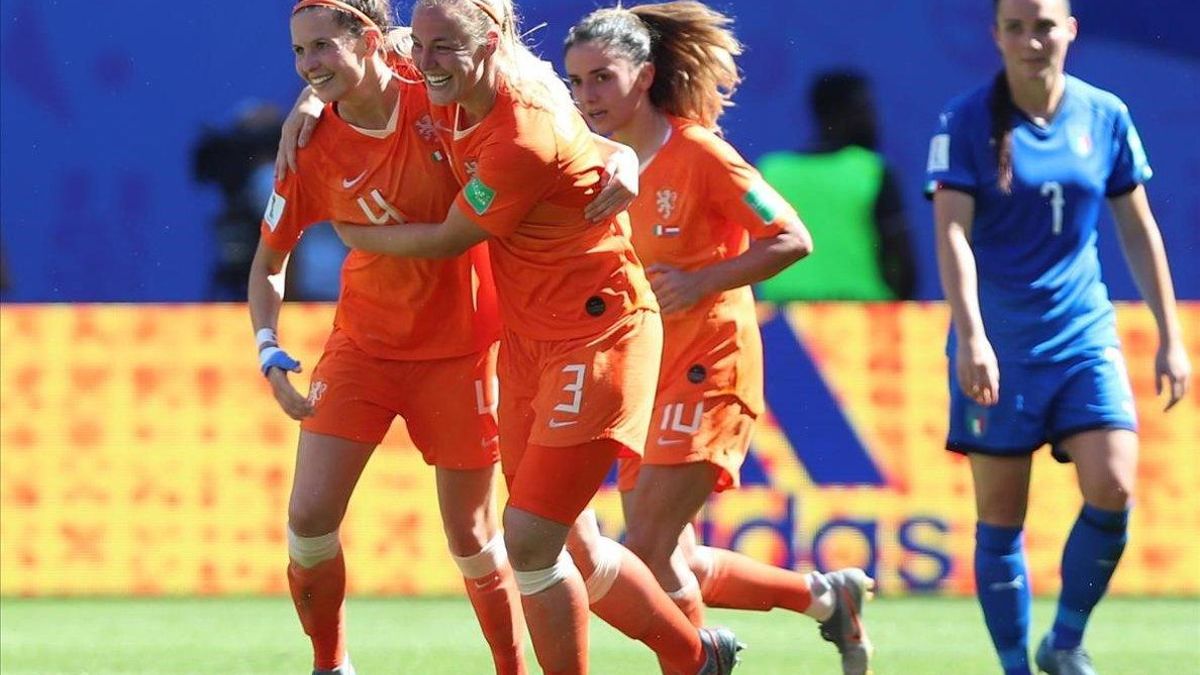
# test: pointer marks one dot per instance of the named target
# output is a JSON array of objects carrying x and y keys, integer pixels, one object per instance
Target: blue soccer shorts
[{"x": 1043, "y": 403}]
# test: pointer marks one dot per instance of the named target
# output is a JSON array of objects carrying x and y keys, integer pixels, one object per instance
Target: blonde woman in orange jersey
[
  {"x": 582, "y": 338},
  {"x": 377, "y": 160},
  {"x": 657, "y": 78}
]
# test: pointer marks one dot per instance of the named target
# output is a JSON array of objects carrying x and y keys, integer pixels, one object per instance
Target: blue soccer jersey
[{"x": 1040, "y": 291}]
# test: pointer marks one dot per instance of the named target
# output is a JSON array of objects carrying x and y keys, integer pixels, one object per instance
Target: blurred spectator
[
  {"x": 848, "y": 198},
  {"x": 239, "y": 161},
  {"x": 315, "y": 268}
]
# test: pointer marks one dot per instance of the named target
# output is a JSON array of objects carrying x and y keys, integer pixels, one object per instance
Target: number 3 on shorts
[{"x": 575, "y": 389}]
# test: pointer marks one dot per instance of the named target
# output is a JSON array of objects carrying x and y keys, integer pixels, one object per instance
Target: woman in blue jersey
[{"x": 1018, "y": 170}]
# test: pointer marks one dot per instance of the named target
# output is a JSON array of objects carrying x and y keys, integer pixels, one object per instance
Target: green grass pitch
[{"x": 913, "y": 636}]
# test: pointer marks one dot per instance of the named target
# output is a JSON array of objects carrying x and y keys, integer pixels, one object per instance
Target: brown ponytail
[
  {"x": 692, "y": 46},
  {"x": 1001, "y": 107}
]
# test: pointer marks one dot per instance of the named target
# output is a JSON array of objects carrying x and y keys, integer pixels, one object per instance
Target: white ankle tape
[
  {"x": 489, "y": 559},
  {"x": 607, "y": 569},
  {"x": 537, "y": 581},
  {"x": 310, "y": 551},
  {"x": 823, "y": 598}
]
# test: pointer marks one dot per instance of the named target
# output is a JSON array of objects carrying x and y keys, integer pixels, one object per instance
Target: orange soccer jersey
[
  {"x": 700, "y": 203},
  {"x": 391, "y": 307},
  {"x": 527, "y": 174}
]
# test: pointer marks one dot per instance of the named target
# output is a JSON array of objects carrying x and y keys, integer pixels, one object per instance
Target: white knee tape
[
  {"x": 690, "y": 589},
  {"x": 536, "y": 581},
  {"x": 702, "y": 559},
  {"x": 310, "y": 551},
  {"x": 607, "y": 568},
  {"x": 587, "y": 520},
  {"x": 489, "y": 559}
]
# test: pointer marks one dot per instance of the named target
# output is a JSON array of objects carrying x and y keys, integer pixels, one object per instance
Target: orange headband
[
  {"x": 338, "y": 4},
  {"x": 486, "y": 8}
]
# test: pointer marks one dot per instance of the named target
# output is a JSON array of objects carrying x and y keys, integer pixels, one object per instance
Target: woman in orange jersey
[
  {"x": 579, "y": 353},
  {"x": 377, "y": 160},
  {"x": 657, "y": 78}
]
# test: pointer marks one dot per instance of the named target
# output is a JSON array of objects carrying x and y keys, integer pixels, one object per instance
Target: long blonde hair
[{"x": 528, "y": 77}]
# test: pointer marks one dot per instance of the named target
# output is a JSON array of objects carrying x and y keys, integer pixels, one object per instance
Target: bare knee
[
  {"x": 467, "y": 508},
  {"x": 527, "y": 551},
  {"x": 586, "y": 558},
  {"x": 309, "y": 519},
  {"x": 533, "y": 543},
  {"x": 1002, "y": 510},
  {"x": 1106, "y": 465},
  {"x": 650, "y": 543},
  {"x": 1112, "y": 494},
  {"x": 583, "y": 543},
  {"x": 1001, "y": 489},
  {"x": 466, "y": 532}
]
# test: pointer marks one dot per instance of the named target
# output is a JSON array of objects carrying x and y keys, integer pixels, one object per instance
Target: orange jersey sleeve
[
  {"x": 527, "y": 173},
  {"x": 700, "y": 203},
  {"x": 392, "y": 307}
]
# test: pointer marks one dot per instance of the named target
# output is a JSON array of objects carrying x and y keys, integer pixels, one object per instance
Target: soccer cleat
[
  {"x": 1074, "y": 661},
  {"x": 346, "y": 668},
  {"x": 722, "y": 648},
  {"x": 845, "y": 628}
]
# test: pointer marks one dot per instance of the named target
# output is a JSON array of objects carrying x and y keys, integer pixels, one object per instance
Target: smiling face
[
  {"x": 608, "y": 88},
  {"x": 1033, "y": 37},
  {"x": 330, "y": 58},
  {"x": 443, "y": 49}
]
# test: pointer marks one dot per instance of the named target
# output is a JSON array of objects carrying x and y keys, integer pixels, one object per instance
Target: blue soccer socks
[
  {"x": 1002, "y": 585},
  {"x": 1088, "y": 562}
]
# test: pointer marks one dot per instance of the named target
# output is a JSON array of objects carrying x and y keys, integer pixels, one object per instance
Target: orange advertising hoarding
[{"x": 142, "y": 453}]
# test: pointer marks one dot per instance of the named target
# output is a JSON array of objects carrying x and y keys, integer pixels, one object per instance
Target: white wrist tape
[
  {"x": 265, "y": 355},
  {"x": 265, "y": 336}
]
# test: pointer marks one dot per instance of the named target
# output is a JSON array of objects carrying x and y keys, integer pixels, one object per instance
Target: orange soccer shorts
[
  {"x": 449, "y": 404},
  {"x": 566, "y": 393},
  {"x": 716, "y": 429}
]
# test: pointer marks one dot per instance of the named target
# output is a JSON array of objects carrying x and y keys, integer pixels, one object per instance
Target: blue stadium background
[{"x": 101, "y": 102}]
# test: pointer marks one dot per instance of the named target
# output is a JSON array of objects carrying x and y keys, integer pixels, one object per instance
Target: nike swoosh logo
[
  {"x": 558, "y": 424},
  {"x": 351, "y": 182},
  {"x": 670, "y": 441}
]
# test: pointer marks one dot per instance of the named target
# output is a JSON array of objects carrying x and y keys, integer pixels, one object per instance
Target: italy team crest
[
  {"x": 977, "y": 420},
  {"x": 1080, "y": 138}
]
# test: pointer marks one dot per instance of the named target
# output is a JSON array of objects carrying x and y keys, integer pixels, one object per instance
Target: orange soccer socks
[
  {"x": 319, "y": 593},
  {"x": 626, "y": 595},
  {"x": 492, "y": 590},
  {"x": 555, "y": 604},
  {"x": 735, "y": 581}
]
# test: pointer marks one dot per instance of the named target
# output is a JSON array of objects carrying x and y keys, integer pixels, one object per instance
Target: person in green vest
[{"x": 848, "y": 198}]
